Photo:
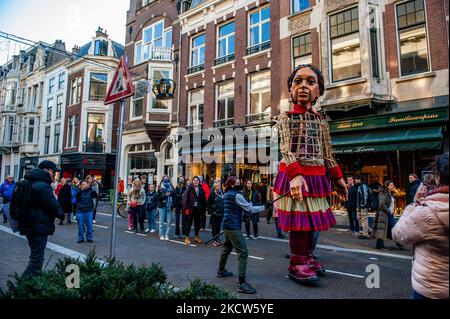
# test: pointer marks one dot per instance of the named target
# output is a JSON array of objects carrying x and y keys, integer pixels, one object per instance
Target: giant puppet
[{"x": 305, "y": 170}]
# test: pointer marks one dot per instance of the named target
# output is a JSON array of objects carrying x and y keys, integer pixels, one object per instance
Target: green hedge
[{"x": 112, "y": 280}]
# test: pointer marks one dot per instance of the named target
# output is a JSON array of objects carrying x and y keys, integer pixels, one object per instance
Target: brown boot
[
  {"x": 187, "y": 240},
  {"x": 198, "y": 240}
]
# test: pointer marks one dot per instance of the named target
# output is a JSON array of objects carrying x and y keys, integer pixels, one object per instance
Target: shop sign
[
  {"x": 356, "y": 149},
  {"x": 397, "y": 119}
]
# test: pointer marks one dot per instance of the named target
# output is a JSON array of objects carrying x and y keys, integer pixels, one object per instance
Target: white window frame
[
  {"x": 330, "y": 46},
  {"x": 27, "y": 130},
  {"x": 132, "y": 117},
  {"x": 216, "y": 104},
  {"x": 151, "y": 97},
  {"x": 227, "y": 40},
  {"x": 47, "y": 146},
  {"x": 198, "y": 48},
  {"x": 292, "y": 7},
  {"x": 63, "y": 76},
  {"x": 59, "y": 107},
  {"x": 259, "y": 91},
  {"x": 307, "y": 58},
  {"x": 51, "y": 85},
  {"x": 56, "y": 138},
  {"x": 71, "y": 137},
  {"x": 138, "y": 59},
  {"x": 259, "y": 25},
  {"x": 196, "y": 105},
  {"x": 8, "y": 123},
  {"x": 398, "y": 41},
  {"x": 150, "y": 43},
  {"x": 49, "y": 115},
  {"x": 77, "y": 85}
]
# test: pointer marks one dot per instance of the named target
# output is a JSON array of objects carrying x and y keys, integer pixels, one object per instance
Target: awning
[{"x": 388, "y": 140}]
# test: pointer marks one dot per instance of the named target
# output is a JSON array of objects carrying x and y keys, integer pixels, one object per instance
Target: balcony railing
[
  {"x": 161, "y": 54},
  {"x": 225, "y": 59},
  {"x": 259, "y": 47},
  {"x": 258, "y": 117},
  {"x": 224, "y": 122},
  {"x": 93, "y": 147},
  {"x": 194, "y": 127},
  {"x": 196, "y": 68}
]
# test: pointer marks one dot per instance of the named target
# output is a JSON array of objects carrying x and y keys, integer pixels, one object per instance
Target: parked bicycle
[{"x": 121, "y": 204}]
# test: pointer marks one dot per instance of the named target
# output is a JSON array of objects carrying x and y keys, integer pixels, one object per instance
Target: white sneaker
[
  {"x": 153, "y": 231},
  {"x": 147, "y": 230},
  {"x": 167, "y": 238},
  {"x": 94, "y": 221},
  {"x": 161, "y": 237}
]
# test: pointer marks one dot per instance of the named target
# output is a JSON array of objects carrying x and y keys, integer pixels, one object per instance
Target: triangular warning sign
[{"x": 121, "y": 86}]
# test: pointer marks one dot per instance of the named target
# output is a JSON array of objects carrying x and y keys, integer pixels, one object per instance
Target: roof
[
  {"x": 118, "y": 49},
  {"x": 84, "y": 50}
]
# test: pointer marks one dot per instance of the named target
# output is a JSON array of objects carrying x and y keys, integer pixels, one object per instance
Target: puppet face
[{"x": 305, "y": 87}]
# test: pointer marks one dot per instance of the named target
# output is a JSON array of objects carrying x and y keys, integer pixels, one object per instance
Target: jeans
[
  {"x": 178, "y": 216},
  {"x": 5, "y": 220},
  {"x": 234, "y": 239},
  {"x": 195, "y": 218},
  {"x": 165, "y": 216},
  {"x": 74, "y": 209},
  {"x": 84, "y": 219},
  {"x": 417, "y": 296},
  {"x": 138, "y": 214},
  {"x": 364, "y": 221},
  {"x": 151, "y": 218},
  {"x": 95, "y": 204},
  {"x": 37, "y": 246},
  {"x": 277, "y": 226},
  {"x": 354, "y": 224}
]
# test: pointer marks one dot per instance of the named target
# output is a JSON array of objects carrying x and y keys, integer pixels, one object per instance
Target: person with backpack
[
  {"x": 363, "y": 203},
  {"x": 6, "y": 191},
  {"x": 65, "y": 200},
  {"x": 35, "y": 207}
]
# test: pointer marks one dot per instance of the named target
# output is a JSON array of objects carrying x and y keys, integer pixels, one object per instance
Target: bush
[{"x": 110, "y": 280}]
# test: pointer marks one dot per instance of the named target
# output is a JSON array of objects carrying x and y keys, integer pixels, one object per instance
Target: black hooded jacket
[{"x": 41, "y": 219}]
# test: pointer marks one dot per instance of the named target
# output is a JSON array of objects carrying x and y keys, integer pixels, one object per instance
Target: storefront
[
  {"x": 390, "y": 146},
  {"x": 141, "y": 161}
]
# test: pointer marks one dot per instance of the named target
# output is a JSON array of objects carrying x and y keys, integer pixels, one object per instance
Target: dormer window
[{"x": 101, "y": 47}]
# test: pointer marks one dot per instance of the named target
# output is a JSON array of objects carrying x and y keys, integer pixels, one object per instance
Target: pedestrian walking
[
  {"x": 165, "y": 206},
  {"x": 39, "y": 222},
  {"x": 180, "y": 218},
  {"x": 384, "y": 217},
  {"x": 151, "y": 206},
  {"x": 207, "y": 191},
  {"x": 65, "y": 201},
  {"x": 306, "y": 148},
  {"x": 194, "y": 206},
  {"x": 414, "y": 183},
  {"x": 215, "y": 209},
  {"x": 85, "y": 212},
  {"x": 236, "y": 208},
  {"x": 350, "y": 205},
  {"x": 425, "y": 227},
  {"x": 6, "y": 192},
  {"x": 136, "y": 201},
  {"x": 95, "y": 196},
  {"x": 251, "y": 195},
  {"x": 363, "y": 204}
]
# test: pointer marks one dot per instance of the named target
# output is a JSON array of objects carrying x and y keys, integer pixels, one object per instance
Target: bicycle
[{"x": 121, "y": 204}]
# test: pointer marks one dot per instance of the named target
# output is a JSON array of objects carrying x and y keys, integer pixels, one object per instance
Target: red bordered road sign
[{"x": 121, "y": 86}]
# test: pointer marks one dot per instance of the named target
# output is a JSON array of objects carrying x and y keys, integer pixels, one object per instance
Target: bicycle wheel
[{"x": 122, "y": 210}]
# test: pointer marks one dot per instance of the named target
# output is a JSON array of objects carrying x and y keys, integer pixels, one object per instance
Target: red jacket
[{"x": 206, "y": 189}]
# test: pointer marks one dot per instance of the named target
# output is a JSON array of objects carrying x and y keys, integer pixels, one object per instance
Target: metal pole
[{"x": 116, "y": 179}]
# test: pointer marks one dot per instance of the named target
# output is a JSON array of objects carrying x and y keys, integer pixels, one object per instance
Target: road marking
[
  {"x": 100, "y": 226},
  {"x": 254, "y": 257},
  {"x": 57, "y": 248},
  {"x": 344, "y": 273},
  {"x": 133, "y": 233},
  {"x": 181, "y": 243}
]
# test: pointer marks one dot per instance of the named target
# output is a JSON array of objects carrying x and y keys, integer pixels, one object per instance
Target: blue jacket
[
  {"x": 84, "y": 201},
  {"x": 232, "y": 217},
  {"x": 6, "y": 191}
]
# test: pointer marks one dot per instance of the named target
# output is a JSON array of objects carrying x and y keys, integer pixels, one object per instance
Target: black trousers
[
  {"x": 353, "y": 220},
  {"x": 247, "y": 228},
  {"x": 194, "y": 217},
  {"x": 216, "y": 223},
  {"x": 37, "y": 245},
  {"x": 138, "y": 214}
]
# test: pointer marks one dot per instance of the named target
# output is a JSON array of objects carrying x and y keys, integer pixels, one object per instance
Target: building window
[
  {"x": 300, "y": 5},
  {"x": 226, "y": 43},
  {"x": 225, "y": 101},
  {"x": 155, "y": 45},
  {"x": 47, "y": 140},
  {"x": 50, "y": 103},
  {"x": 101, "y": 47},
  {"x": 34, "y": 99},
  {"x": 197, "y": 54},
  {"x": 145, "y": 2},
  {"x": 345, "y": 47},
  {"x": 11, "y": 94},
  {"x": 259, "y": 94},
  {"x": 61, "y": 80},
  {"x": 412, "y": 34},
  {"x": 196, "y": 106},
  {"x": 159, "y": 74},
  {"x": 137, "y": 108},
  {"x": 9, "y": 127},
  {"x": 96, "y": 127},
  {"x": 51, "y": 85},
  {"x": 97, "y": 87},
  {"x": 59, "y": 105},
  {"x": 75, "y": 91},
  {"x": 259, "y": 26},
  {"x": 57, "y": 135},
  {"x": 31, "y": 129},
  {"x": 301, "y": 49},
  {"x": 138, "y": 53},
  {"x": 71, "y": 131},
  {"x": 374, "y": 42}
]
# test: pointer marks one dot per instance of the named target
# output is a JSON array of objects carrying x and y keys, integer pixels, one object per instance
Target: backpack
[{"x": 22, "y": 201}]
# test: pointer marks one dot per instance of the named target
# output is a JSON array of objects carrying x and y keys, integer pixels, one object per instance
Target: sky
[{"x": 74, "y": 22}]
